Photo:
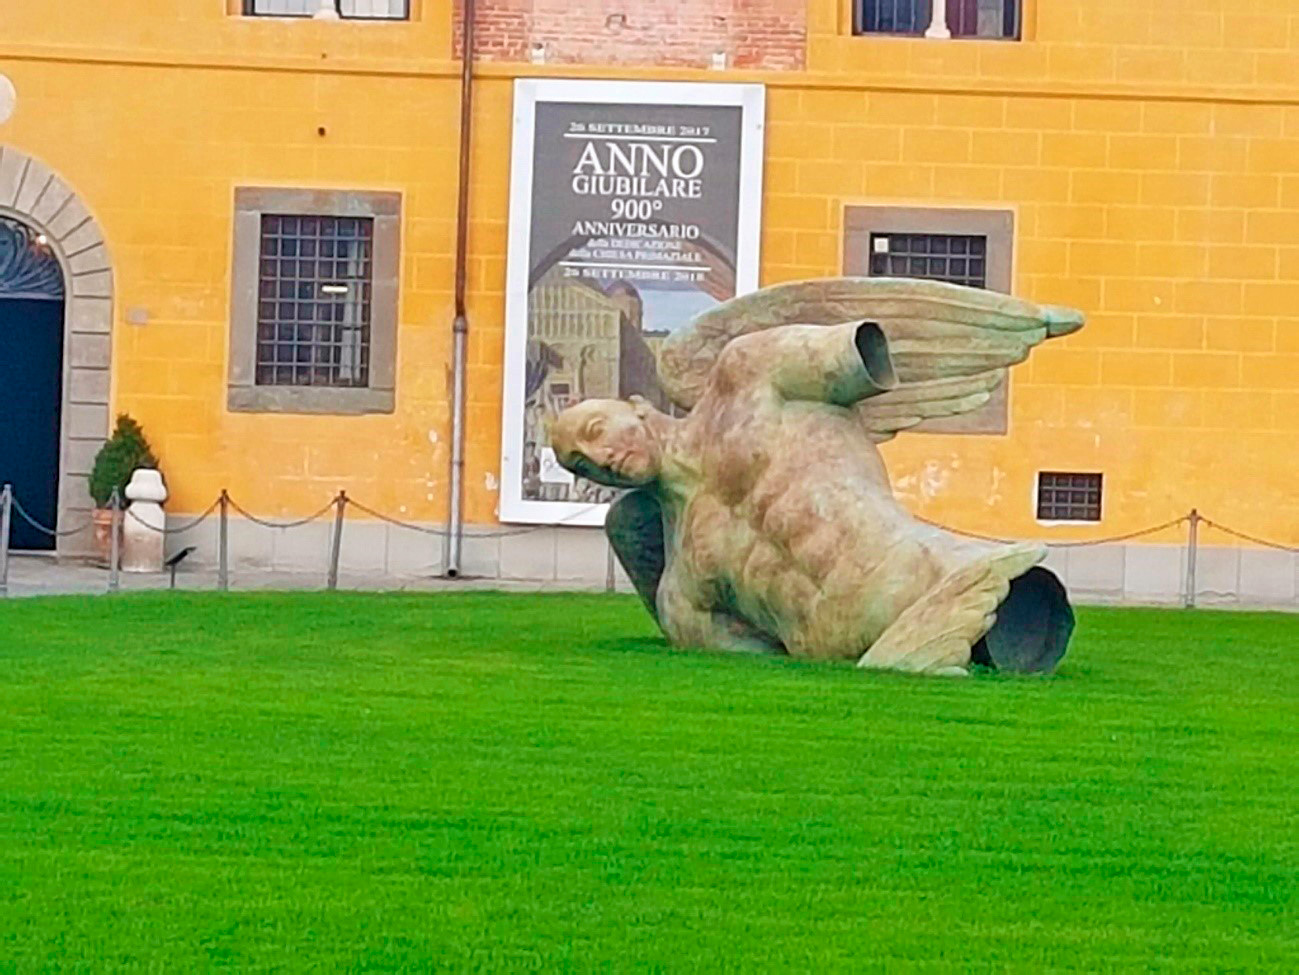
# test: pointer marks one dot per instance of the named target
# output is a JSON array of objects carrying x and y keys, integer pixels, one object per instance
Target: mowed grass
[{"x": 501, "y": 782}]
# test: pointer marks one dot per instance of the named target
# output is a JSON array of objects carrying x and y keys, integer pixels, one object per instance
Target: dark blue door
[
  {"x": 31, "y": 374},
  {"x": 31, "y": 379}
]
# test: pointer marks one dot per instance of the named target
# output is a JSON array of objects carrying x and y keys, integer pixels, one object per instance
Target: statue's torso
[{"x": 792, "y": 527}]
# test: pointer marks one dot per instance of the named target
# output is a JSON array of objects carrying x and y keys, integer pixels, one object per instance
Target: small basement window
[{"x": 1068, "y": 496}]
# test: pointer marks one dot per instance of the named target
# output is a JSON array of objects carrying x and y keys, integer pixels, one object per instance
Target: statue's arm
[
  {"x": 687, "y": 623},
  {"x": 839, "y": 364}
]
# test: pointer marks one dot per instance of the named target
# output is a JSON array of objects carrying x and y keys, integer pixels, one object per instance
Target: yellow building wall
[{"x": 1151, "y": 157}]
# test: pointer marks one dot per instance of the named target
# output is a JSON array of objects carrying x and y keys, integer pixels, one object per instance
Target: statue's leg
[
  {"x": 935, "y": 634},
  {"x": 1033, "y": 626}
]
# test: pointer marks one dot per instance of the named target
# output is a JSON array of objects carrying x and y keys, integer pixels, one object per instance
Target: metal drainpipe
[{"x": 460, "y": 326}]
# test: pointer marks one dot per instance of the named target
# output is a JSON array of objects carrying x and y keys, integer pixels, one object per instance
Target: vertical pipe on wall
[{"x": 460, "y": 326}]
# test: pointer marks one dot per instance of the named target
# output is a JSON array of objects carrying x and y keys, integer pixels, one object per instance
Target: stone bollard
[{"x": 142, "y": 538}]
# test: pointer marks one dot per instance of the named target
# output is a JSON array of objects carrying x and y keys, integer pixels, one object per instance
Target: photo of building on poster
[{"x": 634, "y": 230}]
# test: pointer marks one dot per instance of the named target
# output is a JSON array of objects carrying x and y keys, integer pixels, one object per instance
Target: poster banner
[{"x": 634, "y": 206}]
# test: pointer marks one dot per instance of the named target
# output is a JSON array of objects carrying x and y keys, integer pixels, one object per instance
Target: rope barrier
[
  {"x": 44, "y": 530},
  {"x": 295, "y": 523},
  {"x": 266, "y": 523},
  {"x": 1249, "y": 538},
  {"x": 188, "y": 526},
  {"x": 410, "y": 526},
  {"x": 509, "y": 533},
  {"x": 1154, "y": 529},
  {"x": 964, "y": 534},
  {"x": 441, "y": 533}
]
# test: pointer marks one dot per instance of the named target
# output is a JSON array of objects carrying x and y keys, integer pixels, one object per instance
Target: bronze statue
[{"x": 763, "y": 520}]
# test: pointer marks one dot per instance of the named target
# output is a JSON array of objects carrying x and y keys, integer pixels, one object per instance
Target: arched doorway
[
  {"x": 31, "y": 375},
  {"x": 38, "y": 206}
]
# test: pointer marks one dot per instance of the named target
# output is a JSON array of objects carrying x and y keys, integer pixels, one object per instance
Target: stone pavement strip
[{"x": 35, "y": 575}]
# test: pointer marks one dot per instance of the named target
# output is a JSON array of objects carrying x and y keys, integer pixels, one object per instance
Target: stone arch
[{"x": 32, "y": 193}]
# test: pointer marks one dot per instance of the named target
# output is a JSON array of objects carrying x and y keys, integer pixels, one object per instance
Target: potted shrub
[{"x": 122, "y": 454}]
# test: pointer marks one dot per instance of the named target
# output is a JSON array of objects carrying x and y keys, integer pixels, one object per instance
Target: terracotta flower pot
[{"x": 102, "y": 519}]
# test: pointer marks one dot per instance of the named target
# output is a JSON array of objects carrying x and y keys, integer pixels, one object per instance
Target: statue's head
[{"x": 610, "y": 441}]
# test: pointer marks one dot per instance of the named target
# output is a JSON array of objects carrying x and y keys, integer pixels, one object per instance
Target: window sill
[
  {"x": 962, "y": 38},
  {"x": 307, "y": 18},
  {"x": 315, "y": 400}
]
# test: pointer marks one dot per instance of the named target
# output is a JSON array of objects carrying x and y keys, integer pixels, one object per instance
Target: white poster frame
[{"x": 528, "y": 92}]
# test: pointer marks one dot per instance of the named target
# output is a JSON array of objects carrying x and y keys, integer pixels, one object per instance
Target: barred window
[
  {"x": 955, "y": 258},
  {"x": 1067, "y": 496},
  {"x": 347, "y": 9},
  {"x": 962, "y": 18},
  {"x": 313, "y": 310},
  {"x": 895, "y": 16},
  {"x": 983, "y": 18},
  {"x": 314, "y": 295},
  {"x": 963, "y": 246}
]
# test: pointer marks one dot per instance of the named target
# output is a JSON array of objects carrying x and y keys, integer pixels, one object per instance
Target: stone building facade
[{"x": 1141, "y": 156}]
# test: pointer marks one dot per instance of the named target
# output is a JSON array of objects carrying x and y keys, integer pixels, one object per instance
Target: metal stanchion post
[
  {"x": 114, "y": 540},
  {"x": 337, "y": 541},
  {"x": 223, "y": 543},
  {"x": 1192, "y": 545},
  {"x": 6, "y": 497},
  {"x": 610, "y": 577}
]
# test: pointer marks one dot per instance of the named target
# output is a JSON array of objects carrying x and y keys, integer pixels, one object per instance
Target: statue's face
[{"x": 607, "y": 441}]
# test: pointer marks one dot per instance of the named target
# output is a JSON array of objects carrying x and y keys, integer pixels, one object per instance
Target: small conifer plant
[{"x": 125, "y": 452}]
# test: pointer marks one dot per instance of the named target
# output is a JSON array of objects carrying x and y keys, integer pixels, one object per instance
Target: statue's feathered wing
[{"x": 951, "y": 345}]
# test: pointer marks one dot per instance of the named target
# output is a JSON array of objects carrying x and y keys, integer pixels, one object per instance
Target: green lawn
[{"x": 503, "y": 782}]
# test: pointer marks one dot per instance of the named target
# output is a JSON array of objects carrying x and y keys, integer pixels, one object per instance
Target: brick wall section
[
  {"x": 767, "y": 34},
  {"x": 503, "y": 29}
]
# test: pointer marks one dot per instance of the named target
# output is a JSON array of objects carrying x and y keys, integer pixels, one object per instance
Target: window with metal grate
[
  {"x": 894, "y": 16},
  {"x": 955, "y": 258},
  {"x": 958, "y": 18},
  {"x": 1068, "y": 496},
  {"x": 962, "y": 246},
  {"x": 315, "y": 284},
  {"x": 347, "y": 9}
]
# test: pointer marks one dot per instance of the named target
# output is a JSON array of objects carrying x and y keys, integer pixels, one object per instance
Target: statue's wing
[
  {"x": 950, "y": 344},
  {"x": 899, "y": 409},
  {"x": 634, "y": 526}
]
